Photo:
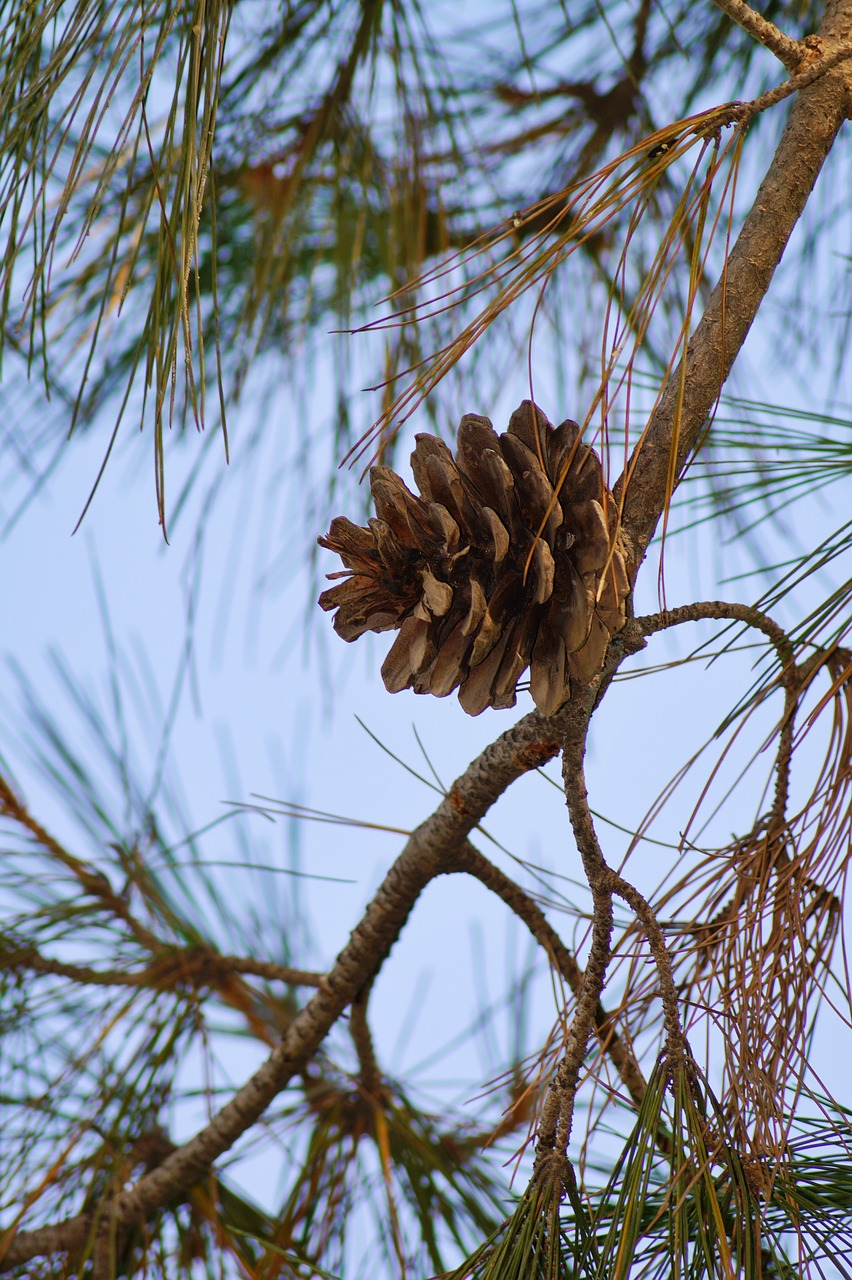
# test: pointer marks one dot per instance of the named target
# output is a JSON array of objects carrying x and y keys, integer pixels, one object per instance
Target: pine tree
[{"x": 197, "y": 193}]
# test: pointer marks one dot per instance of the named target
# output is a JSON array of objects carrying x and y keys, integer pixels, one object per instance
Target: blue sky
[{"x": 270, "y": 696}]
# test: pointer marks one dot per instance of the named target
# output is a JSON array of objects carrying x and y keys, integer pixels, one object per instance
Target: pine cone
[{"x": 449, "y": 568}]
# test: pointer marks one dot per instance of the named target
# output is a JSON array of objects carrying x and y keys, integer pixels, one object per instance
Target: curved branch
[
  {"x": 530, "y": 743},
  {"x": 722, "y": 611},
  {"x": 472, "y": 861},
  {"x": 791, "y": 675},
  {"x": 195, "y": 965},
  {"x": 642, "y": 909}
]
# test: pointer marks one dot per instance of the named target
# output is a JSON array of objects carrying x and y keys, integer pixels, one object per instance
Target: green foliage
[
  {"x": 194, "y": 194},
  {"x": 191, "y": 187}
]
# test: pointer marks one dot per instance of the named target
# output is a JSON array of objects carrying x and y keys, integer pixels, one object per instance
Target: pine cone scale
[
  {"x": 584, "y": 663},
  {"x": 478, "y": 607},
  {"x": 475, "y": 436},
  {"x": 494, "y": 481},
  {"x": 437, "y": 596},
  {"x": 549, "y": 682},
  {"x": 569, "y": 611},
  {"x": 450, "y": 668},
  {"x": 499, "y": 534},
  {"x": 476, "y": 692},
  {"x": 591, "y": 534}
]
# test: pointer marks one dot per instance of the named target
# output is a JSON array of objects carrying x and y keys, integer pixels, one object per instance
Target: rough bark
[
  {"x": 530, "y": 743},
  {"x": 816, "y": 117}
]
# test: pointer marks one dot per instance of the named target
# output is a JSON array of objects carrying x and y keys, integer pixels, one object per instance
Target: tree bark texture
[{"x": 817, "y": 115}]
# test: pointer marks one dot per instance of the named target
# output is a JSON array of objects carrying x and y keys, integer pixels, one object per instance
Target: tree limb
[
  {"x": 680, "y": 416},
  {"x": 198, "y": 965},
  {"x": 558, "y": 1110},
  {"x": 761, "y": 29},
  {"x": 530, "y": 743},
  {"x": 791, "y": 676},
  {"x": 618, "y": 1050}
]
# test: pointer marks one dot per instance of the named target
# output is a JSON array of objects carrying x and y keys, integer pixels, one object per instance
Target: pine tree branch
[
  {"x": 679, "y": 420},
  {"x": 429, "y": 852},
  {"x": 721, "y": 610},
  {"x": 370, "y": 1077},
  {"x": 791, "y": 676},
  {"x": 90, "y": 880},
  {"x": 618, "y": 1050},
  {"x": 819, "y": 67},
  {"x": 789, "y": 51},
  {"x": 174, "y": 965},
  {"x": 558, "y": 1111},
  {"x": 439, "y": 846}
]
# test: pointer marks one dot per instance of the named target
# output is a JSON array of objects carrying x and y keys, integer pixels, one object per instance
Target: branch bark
[
  {"x": 429, "y": 852},
  {"x": 759, "y": 28},
  {"x": 437, "y": 846},
  {"x": 677, "y": 424},
  {"x": 791, "y": 676}
]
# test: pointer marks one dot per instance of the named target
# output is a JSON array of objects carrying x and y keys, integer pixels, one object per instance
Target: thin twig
[
  {"x": 617, "y": 1049},
  {"x": 676, "y": 1040},
  {"x": 558, "y": 1110},
  {"x": 789, "y": 51},
  {"x": 743, "y": 112},
  {"x": 370, "y": 1077},
  {"x": 790, "y": 676},
  {"x": 721, "y": 610},
  {"x": 430, "y": 850},
  {"x": 197, "y": 965}
]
